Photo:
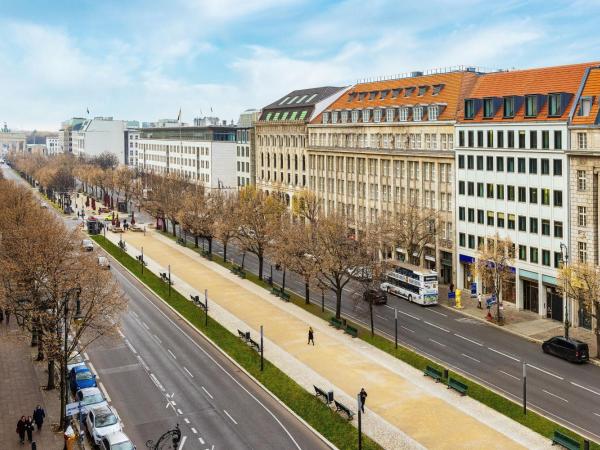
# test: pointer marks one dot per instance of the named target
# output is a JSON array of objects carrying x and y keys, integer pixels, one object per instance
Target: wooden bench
[
  {"x": 351, "y": 331},
  {"x": 285, "y": 296},
  {"x": 122, "y": 245},
  {"x": 165, "y": 277},
  {"x": 343, "y": 409},
  {"x": 244, "y": 335},
  {"x": 255, "y": 345},
  {"x": 433, "y": 373},
  {"x": 321, "y": 393},
  {"x": 457, "y": 386},
  {"x": 335, "y": 323},
  {"x": 564, "y": 440},
  {"x": 181, "y": 241},
  {"x": 275, "y": 291},
  {"x": 238, "y": 271}
]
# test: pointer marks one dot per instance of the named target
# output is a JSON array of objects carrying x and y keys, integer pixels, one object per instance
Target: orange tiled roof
[
  {"x": 591, "y": 89},
  {"x": 455, "y": 85},
  {"x": 543, "y": 80}
]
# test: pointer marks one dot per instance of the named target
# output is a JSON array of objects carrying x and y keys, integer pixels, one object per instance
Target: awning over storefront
[
  {"x": 527, "y": 274},
  {"x": 547, "y": 279}
]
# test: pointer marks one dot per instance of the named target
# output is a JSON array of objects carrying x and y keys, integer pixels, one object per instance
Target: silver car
[{"x": 87, "y": 245}]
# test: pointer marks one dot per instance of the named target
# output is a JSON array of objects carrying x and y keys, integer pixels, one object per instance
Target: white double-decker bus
[{"x": 413, "y": 283}]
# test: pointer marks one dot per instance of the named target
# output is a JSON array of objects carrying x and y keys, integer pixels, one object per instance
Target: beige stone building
[
  {"x": 281, "y": 139},
  {"x": 385, "y": 143}
]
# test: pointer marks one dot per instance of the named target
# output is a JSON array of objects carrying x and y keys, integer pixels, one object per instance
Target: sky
[{"x": 145, "y": 60}]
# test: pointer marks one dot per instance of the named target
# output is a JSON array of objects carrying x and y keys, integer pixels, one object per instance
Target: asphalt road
[{"x": 160, "y": 373}]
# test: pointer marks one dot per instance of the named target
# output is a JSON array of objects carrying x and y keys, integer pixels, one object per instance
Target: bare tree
[
  {"x": 106, "y": 161},
  {"x": 227, "y": 221},
  {"x": 192, "y": 213}
]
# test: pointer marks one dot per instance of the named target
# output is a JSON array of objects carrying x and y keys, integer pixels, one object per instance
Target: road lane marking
[
  {"x": 467, "y": 339},
  {"x": 134, "y": 313},
  {"x": 186, "y": 420},
  {"x": 408, "y": 329},
  {"x": 437, "y": 312},
  {"x": 179, "y": 411},
  {"x": 586, "y": 388},
  {"x": 143, "y": 363},
  {"x": 504, "y": 354},
  {"x": 207, "y": 393},
  {"x": 546, "y": 372},
  {"x": 146, "y": 326},
  {"x": 133, "y": 350},
  {"x": 172, "y": 354},
  {"x": 438, "y": 343},
  {"x": 105, "y": 392},
  {"x": 508, "y": 374},
  {"x": 188, "y": 372},
  {"x": 381, "y": 317},
  {"x": 182, "y": 442},
  {"x": 436, "y": 326},
  {"x": 201, "y": 440},
  {"x": 194, "y": 430},
  {"x": 596, "y": 414},
  {"x": 229, "y": 415},
  {"x": 470, "y": 357},
  {"x": 409, "y": 315},
  {"x": 120, "y": 332},
  {"x": 554, "y": 395},
  {"x": 156, "y": 382},
  {"x": 157, "y": 338}
]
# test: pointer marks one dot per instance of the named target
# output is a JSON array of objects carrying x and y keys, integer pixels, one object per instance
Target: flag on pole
[
  {"x": 88, "y": 110},
  {"x": 179, "y": 115},
  {"x": 211, "y": 109}
]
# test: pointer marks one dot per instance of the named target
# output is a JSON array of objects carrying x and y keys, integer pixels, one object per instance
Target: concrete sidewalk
[{"x": 405, "y": 410}]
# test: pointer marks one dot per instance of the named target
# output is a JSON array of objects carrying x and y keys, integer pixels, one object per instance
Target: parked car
[
  {"x": 103, "y": 262},
  {"x": 75, "y": 360},
  {"x": 87, "y": 245},
  {"x": 81, "y": 377},
  {"x": 570, "y": 349},
  {"x": 90, "y": 397},
  {"x": 377, "y": 296},
  {"x": 116, "y": 441},
  {"x": 102, "y": 421}
]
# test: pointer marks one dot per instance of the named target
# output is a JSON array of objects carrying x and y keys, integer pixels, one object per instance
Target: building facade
[
  {"x": 245, "y": 148},
  {"x": 130, "y": 152},
  {"x": 65, "y": 134},
  {"x": 12, "y": 141},
  {"x": 281, "y": 140},
  {"x": 205, "y": 155},
  {"x": 100, "y": 135},
  {"x": 513, "y": 180},
  {"x": 385, "y": 144},
  {"x": 53, "y": 146}
]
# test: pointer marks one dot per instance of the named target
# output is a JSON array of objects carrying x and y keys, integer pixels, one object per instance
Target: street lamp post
[
  {"x": 76, "y": 317},
  {"x": 396, "y": 327},
  {"x": 359, "y": 422},
  {"x": 564, "y": 251},
  {"x": 262, "y": 359}
]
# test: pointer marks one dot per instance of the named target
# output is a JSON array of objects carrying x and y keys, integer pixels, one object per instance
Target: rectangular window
[
  {"x": 510, "y": 194},
  {"x": 533, "y": 139},
  {"x": 558, "y": 229},
  {"x": 480, "y": 242},
  {"x": 480, "y": 189},
  {"x": 546, "y": 139},
  {"x": 490, "y": 218},
  {"x": 557, "y": 260},
  {"x": 469, "y": 109},
  {"x": 585, "y": 106},
  {"x": 511, "y": 221},
  {"x": 488, "y": 108},
  {"x": 582, "y": 216},
  {"x": 533, "y": 255},
  {"x": 489, "y": 163},
  {"x": 461, "y": 138},
  {"x": 510, "y": 164},
  {"x": 500, "y": 191},
  {"x": 531, "y": 106},
  {"x": 582, "y": 251},
  {"x": 470, "y": 188},
  {"x": 533, "y": 195},
  {"x": 471, "y": 139},
  {"x": 471, "y": 241},
  {"x": 522, "y": 253},
  {"x": 500, "y": 220},
  {"x": 490, "y": 190},
  {"x": 532, "y": 165},
  {"x": 582, "y": 141},
  {"x": 558, "y": 199},
  {"x": 480, "y": 216},
  {"x": 522, "y": 223},
  {"x": 545, "y": 227},
  {"x": 546, "y": 257},
  {"x": 521, "y": 165},
  {"x": 480, "y": 163},
  {"x": 522, "y": 194},
  {"x": 470, "y": 162},
  {"x": 461, "y": 213},
  {"x": 461, "y": 188},
  {"x": 500, "y": 139},
  {"x": 545, "y": 196},
  {"x": 554, "y": 105},
  {"x": 558, "y": 140},
  {"x": 461, "y": 161},
  {"x": 500, "y": 163},
  {"x": 509, "y": 107},
  {"x": 545, "y": 166},
  {"x": 521, "y": 139},
  {"x": 490, "y": 139},
  {"x": 471, "y": 215},
  {"x": 461, "y": 239},
  {"x": 533, "y": 225},
  {"x": 581, "y": 180},
  {"x": 479, "y": 138}
]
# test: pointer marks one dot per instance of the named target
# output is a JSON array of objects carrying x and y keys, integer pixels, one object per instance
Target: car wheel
[
  {"x": 545, "y": 349},
  {"x": 410, "y": 298}
]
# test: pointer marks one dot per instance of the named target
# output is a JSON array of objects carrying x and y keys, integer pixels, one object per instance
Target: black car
[
  {"x": 377, "y": 296},
  {"x": 569, "y": 349}
]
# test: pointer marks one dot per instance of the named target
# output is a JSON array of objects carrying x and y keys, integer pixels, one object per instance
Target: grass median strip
[
  {"x": 503, "y": 405},
  {"x": 335, "y": 428}
]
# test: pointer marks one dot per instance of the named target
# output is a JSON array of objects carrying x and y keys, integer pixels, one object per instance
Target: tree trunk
[
  {"x": 40, "y": 346},
  {"x": 225, "y": 251},
  {"x": 209, "y": 239},
  {"x": 306, "y": 293},
  {"x": 51, "y": 384},
  {"x": 283, "y": 283},
  {"x": 338, "y": 303},
  {"x": 260, "y": 266},
  {"x": 174, "y": 228},
  {"x": 196, "y": 241},
  {"x": 63, "y": 390},
  {"x": 371, "y": 314}
]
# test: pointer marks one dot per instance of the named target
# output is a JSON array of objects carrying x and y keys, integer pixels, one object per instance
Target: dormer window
[
  {"x": 334, "y": 116},
  {"x": 437, "y": 89},
  {"x": 395, "y": 93},
  {"x": 276, "y": 116},
  {"x": 408, "y": 91},
  {"x": 325, "y": 117},
  {"x": 433, "y": 112},
  {"x": 403, "y": 114},
  {"x": 377, "y": 115},
  {"x": 488, "y": 108},
  {"x": 284, "y": 115},
  {"x": 372, "y": 95},
  {"x": 469, "y": 108},
  {"x": 422, "y": 90},
  {"x": 355, "y": 116},
  {"x": 344, "y": 116},
  {"x": 417, "y": 113},
  {"x": 585, "y": 106},
  {"x": 531, "y": 105},
  {"x": 362, "y": 96},
  {"x": 554, "y": 105},
  {"x": 509, "y": 107},
  {"x": 389, "y": 115},
  {"x": 366, "y": 115},
  {"x": 384, "y": 94},
  {"x": 351, "y": 96}
]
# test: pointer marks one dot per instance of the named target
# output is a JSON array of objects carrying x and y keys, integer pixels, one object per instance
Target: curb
[{"x": 251, "y": 377}]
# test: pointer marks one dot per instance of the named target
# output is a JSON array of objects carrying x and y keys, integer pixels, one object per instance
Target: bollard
[{"x": 446, "y": 374}]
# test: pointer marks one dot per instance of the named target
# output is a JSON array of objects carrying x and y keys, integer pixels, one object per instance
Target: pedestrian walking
[
  {"x": 21, "y": 429},
  {"x": 363, "y": 399},
  {"x": 479, "y": 301},
  {"x": 29, "y": 428},
  {"x": 311, "y": 336},
  {"x": 38, "y": 416}
]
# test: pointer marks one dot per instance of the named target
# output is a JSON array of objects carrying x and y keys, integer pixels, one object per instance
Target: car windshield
[
  {"x": 84, "y": 375},
  {"x": 122, "y": 446},
  {"x": 105, "y": 419},
  {"x": 92, "y": 399}
]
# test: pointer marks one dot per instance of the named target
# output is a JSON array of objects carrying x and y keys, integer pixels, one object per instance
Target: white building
[
  {"x": 512, "y": 179},
  {"x": 53, "y": 146},
  {"x": 205, "y": 155},
  {"x": 244, "y": 152},
  {"x": 99, "y": 135},
  {"x": 132, "y": 137}
]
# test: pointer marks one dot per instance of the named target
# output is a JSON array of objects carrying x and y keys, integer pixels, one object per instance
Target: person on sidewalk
[
  {"x": 363, "y": 399},
  {"x": 479, "y": 306},
  {"x": 21, "y": 429},
  {"x": 38, "y": 416},
  {"x": 311, "y": 336},
  {"x": 29, "y": 428}
]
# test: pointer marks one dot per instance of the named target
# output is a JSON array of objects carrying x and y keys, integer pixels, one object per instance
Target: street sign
[{"x": 74, "y": 408}]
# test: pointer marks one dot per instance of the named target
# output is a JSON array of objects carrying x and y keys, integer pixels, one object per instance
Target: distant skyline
[{"x": 144, "y": 60}]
